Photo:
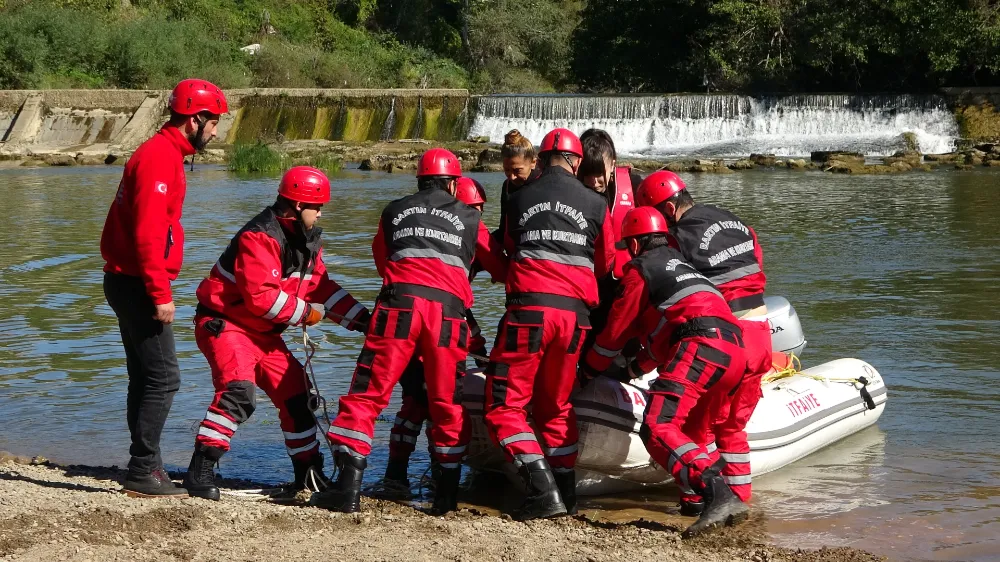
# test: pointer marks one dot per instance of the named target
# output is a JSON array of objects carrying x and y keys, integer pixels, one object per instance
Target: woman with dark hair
[{"x": 600, "y": 172}]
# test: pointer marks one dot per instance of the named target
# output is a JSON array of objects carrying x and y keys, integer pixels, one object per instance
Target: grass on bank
[{"x": 259, "y": 158}]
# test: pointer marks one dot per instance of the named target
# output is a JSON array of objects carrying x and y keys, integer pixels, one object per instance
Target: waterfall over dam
[{"x": 728, "y": 124}]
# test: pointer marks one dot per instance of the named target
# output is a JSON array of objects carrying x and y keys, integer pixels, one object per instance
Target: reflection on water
[{"x": 897, "y": 270}]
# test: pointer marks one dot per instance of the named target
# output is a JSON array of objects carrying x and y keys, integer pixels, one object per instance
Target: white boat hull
[{"x": 796, "y": 416}]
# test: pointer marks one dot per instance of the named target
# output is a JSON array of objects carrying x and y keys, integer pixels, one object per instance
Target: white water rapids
[{"x": 729, "y": 125}]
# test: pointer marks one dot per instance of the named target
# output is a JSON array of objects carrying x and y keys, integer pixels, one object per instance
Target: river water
[{"x": 898, "y": 270}]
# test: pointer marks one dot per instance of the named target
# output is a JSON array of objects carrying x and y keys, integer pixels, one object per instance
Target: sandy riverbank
[{"x": 50, "y": 512}]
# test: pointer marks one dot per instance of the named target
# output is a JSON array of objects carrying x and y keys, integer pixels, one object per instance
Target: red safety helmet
[
  {"x": 643, "y": 220},
  {"x": 439, "y": 162},
  {"x": 192, "y": 96},
  {"x": 658, "y": 187},
  {"x": 561, "y": 140},
  {"x": 304, "y": 184},
  {"x": 470, "y": 192}
]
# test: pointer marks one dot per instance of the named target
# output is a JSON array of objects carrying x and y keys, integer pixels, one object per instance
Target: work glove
[
  {"x": 585, "y": 373},
  {"x": 477, "y": 345},
  {"x": 624, "y": 369},
  {"x": 315, "y": 314},
  {"x": 361, "y": 321}
]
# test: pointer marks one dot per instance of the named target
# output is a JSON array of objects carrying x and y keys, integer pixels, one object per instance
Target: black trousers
[{"x": 153, "y": 374}]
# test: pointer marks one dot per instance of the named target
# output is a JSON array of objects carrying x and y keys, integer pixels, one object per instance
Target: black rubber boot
[
  {"x": 156, "y": 484},
  {"x": 200, "y": 477},
  {"x": 394, "y": 485},
  {"x": 345, "y": 494},
  {"x": 722, "y": 506},
  {"x": 691, "y": 508},
  {"x": 566, "y": 481},
  {"x": 308, "y": 476},
  {"x": 543, "y": 495},
  {"x": 446, "y": 482}
]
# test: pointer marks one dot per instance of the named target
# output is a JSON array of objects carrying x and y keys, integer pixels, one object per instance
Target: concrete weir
[{"x": 91, "y": 126}]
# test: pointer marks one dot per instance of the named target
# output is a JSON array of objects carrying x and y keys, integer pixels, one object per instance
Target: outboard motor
[{"x": 786, "y": 330}]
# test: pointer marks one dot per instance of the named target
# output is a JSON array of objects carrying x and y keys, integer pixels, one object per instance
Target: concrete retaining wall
[{"x": 117, "y": 121}]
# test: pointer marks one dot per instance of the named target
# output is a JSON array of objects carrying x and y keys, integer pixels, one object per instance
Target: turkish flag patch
[{"x": 161, "y": 187}]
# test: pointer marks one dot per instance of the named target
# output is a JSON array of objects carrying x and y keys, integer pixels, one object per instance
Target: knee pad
[
  {"x": 239, "y": 400},
  {"x": 297, "y": 407}
]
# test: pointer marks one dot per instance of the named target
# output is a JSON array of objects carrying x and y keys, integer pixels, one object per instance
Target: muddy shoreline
[{"x": 71, "y": 512}]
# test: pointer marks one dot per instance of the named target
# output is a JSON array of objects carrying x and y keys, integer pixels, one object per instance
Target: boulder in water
[
  {"x": 489, "y": 156},
  {"x": 947, "y": 157},
  {"x": 910, "y": 141},
  {"x": 796, "y": 164},
  {"x": 911, "y": 158},
  {"x": 837, "y": 156},
  {"x": 766, "y": 160},
  {"x": 366, "y": 165},
  {"x": 741, "y": 164}
]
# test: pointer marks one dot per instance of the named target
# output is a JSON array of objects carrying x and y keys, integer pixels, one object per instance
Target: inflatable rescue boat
[{"x": 800, "y": 413}]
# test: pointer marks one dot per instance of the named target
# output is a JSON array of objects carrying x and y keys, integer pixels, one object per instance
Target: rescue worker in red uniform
[
  {"x": 143, "y": 248},
  {"x": 413, "y": 413},
  {"x": 723, "y": 249},
  {"x": 423, "y": 250},
  {"x": 560, "y": 240},
  {"x": 692, "y": 338},
  {"x": 271, "y": 276},
  {"x": 601, "y": 173}
]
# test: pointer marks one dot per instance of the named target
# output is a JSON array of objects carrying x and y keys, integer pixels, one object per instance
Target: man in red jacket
[
  {"x": 692, "y": 338},
  {"x": 271, "y": 276},
  {"x": 423, "y": 249},
  {"x": 560, "y": 240},
  {"x": 721, "y": 247},
  {"x": 143, "y": 246}
]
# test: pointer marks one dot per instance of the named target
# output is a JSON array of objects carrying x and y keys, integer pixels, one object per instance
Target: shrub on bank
[
  {"x": 256, "y": 158},
  {"x": 259, "y": 158}
]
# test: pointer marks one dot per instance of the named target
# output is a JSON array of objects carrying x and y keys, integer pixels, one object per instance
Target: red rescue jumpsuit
[
  {"x": 262, "y": 283},
  {"x": 424, "y": 249},
  {"x": 559, "y": 235},
  {"x": 691, "y": 336},
  {"x": 413, "y": 411},
  {"x": 722, "y": 248}
]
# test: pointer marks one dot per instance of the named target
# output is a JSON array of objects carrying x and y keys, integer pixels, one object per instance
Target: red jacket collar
[{"x": 178, "y": 138}]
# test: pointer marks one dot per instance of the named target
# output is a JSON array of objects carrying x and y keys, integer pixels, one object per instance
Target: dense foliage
[
  {"x": 505, "y": 45},
  {"x": 790, "y": 45}
]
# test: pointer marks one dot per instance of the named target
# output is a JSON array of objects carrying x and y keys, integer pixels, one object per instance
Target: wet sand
[{"x": 50, "y": 512}]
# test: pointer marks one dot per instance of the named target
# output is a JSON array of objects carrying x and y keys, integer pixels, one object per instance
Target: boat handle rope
[
  {"x": 316, "y": 400},
  {"x": 794, "y": 368}
]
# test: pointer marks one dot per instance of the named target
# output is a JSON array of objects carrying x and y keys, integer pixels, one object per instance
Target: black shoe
[
  {"x": 566, "y": 482},
  {"x": 308, "y": 476},
  {"x": 722, "y": 506},
  {"x": 345, "y": 494},
  {"x": 446, "y": 482},
  {"x": 200, "y": 477},
  {"x": 543, "y": 495},
  {"x": 395, "y": 485},
  {"x": 156, "y": 484},
  {"x": 692, "y": 509}
]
